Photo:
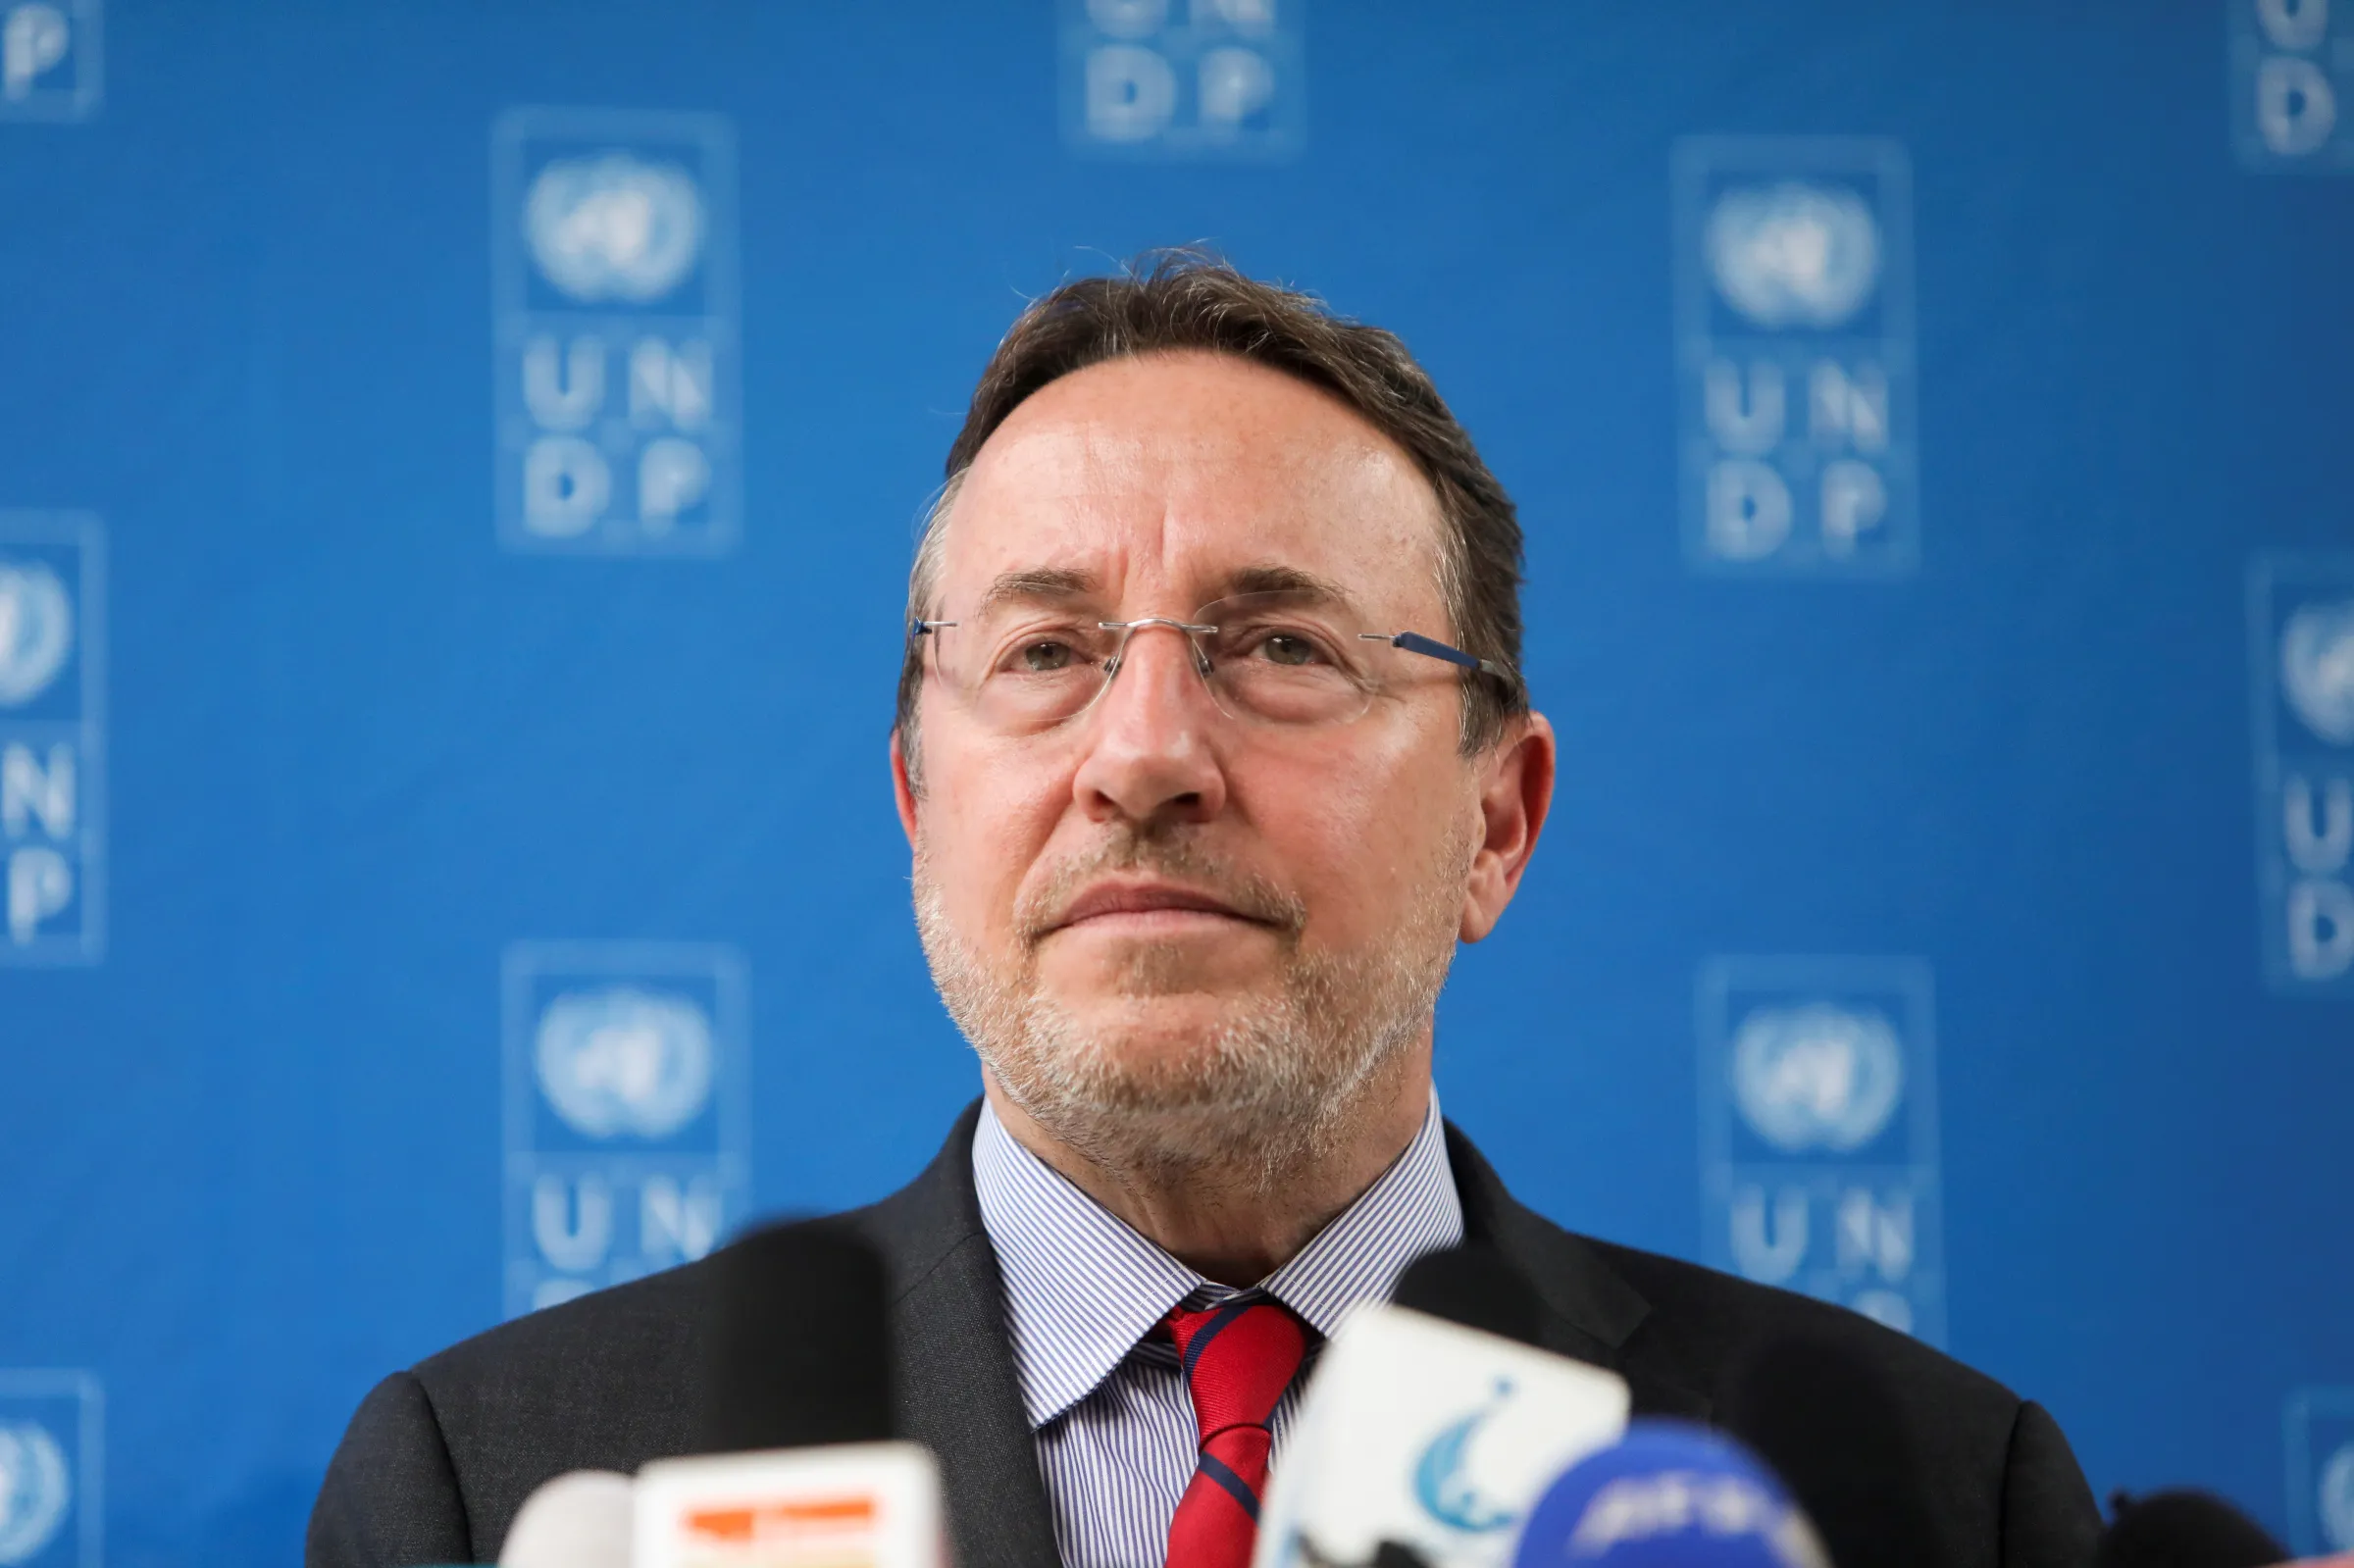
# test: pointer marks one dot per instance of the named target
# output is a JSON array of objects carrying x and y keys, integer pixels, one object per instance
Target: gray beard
[{"x": 1278, "y": 1084}]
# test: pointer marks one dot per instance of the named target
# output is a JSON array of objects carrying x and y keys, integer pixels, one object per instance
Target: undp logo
[
  {"x": 1793, "y": 254},
  {"x": 1816, "y": 1076},
  {"x": 624, "y": 1060},
  {"x": 35, "y": 1491},
  {"x": 2317, "y": 668},
  {"x": 614, "y": 226},
  {"x": 36, "y": 629}
]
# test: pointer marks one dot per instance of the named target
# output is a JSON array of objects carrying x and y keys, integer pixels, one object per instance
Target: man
[{"x": 1211, "y": 747}]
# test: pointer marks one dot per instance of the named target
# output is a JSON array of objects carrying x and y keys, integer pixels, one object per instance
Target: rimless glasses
[{"x": 1280, "y": 658}]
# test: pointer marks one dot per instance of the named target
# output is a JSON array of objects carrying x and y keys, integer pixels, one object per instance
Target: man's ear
[
  {"x": 1516, "y": 792},
  {"x": 902, "y": 785}
]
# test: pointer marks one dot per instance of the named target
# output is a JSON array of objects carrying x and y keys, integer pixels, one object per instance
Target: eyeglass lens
[{"x": 1268, "y": 658}]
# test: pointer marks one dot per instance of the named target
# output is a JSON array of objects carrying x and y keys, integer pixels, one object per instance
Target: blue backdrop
[{"x": 371, "y": 755}]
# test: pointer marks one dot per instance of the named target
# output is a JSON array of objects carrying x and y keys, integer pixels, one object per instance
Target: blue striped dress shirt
[{"x": 1105, "y": 1398}]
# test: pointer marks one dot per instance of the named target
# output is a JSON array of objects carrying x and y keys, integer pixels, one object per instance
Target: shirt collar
[{"x": 1082, "y": 1287}]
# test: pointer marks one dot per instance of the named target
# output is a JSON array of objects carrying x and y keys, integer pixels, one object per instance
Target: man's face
[{"x": 1154, "y": 905}]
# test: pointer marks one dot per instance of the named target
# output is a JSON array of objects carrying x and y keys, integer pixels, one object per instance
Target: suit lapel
[
  {"x": 1590, "y": 1313},
  {"x": 957, "y": 1393}
]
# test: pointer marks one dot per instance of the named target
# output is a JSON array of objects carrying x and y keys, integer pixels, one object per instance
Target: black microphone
[
  {"x": 798, "y": 1352},
  {"x": 1824, "y": 1418},
  {"x": 794, "y": 1418},
  {"x": 2180, "y": 1527},
  {"x": 793, "y": 1427},
  {"x": 1474, "y": 1285}
]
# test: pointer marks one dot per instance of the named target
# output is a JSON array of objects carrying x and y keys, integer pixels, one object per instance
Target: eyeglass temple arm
[{"x": 1432, "y": 647}]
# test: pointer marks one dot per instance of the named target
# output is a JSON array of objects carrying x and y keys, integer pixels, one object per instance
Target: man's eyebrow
[
  {"x": 1290, "y": 580},
  {"x": 1038, "y": 582}
]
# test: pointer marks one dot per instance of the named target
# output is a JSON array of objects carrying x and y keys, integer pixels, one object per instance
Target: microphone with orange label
[{"x": 800, "y": 1464}]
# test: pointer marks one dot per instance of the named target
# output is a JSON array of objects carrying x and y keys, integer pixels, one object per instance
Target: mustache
[{"x": 1179, "y": 859}]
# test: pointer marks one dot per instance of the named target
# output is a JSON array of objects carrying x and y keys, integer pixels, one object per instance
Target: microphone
[
  {"x": 873, "y": 1504},
  {"x": 798, "y": 1465},
  {"x": 580, "y": 1520},
  {"x": 1421, "y": 1440},
  {"x": 1824, "y": 1420},
  {"x": 2182, "y": 1528},
  {"x": 1474, "y": 1285},
  {"x": 1669, "y": 1495},
  {"x": 798, "y": 1347}
]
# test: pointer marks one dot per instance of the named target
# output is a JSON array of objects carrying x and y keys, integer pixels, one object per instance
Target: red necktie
[{"x": 1238, "y": 1358}]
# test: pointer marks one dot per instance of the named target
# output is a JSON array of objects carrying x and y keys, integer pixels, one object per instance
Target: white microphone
[
  {"x": 876, "y": 1504},
  {"x": 1421, "y": 1437},
  {"x": 582, "y": 1520}
]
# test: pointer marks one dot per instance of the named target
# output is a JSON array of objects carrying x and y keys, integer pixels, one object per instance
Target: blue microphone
[{"x": 1668, "y": 1495}]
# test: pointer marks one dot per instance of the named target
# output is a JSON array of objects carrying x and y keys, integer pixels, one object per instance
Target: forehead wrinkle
[{"x": 1147, "y": 469}]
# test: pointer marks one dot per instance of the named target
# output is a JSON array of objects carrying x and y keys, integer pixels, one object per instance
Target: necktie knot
[{"x": 1239, "y": 1358}]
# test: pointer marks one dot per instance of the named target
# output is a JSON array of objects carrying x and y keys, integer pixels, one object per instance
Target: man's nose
[{"x": 1151, "y": 751}]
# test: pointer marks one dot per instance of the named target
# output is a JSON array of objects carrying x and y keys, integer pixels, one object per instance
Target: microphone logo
[
  {"x": 1443, "y": 1485},
  {"x": 35, "y": 1489}
]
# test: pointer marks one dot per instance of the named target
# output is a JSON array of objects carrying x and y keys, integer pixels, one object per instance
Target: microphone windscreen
[
  {"x": 1432, "y": 1436},
  {"x": 2183, "y": 1529},
  {"x": 580, "y": 1520},
  {"x": 1473, "y": 1286},
  {"x": 1825, "y": 1418},
  {"x": 1668, "y": 1495},
  {"x": 798, "y": 1350}
]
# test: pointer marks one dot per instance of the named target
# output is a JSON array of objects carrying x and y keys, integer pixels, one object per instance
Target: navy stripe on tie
[
  {"x": 1212, "y": 1329},
  {"x": 1223, "y": 1474}
]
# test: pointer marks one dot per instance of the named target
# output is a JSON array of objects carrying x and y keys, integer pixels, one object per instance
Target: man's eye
[
  {"x": 1046, "y": 657},
  {"x": 1287, "y": 647}
]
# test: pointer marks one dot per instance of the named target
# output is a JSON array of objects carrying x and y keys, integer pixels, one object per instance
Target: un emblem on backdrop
[
  {"x": 35, "y": 1489},
  {"x": 1183, "y": 78},
  {"x": 616, "y": 333},
  {"x": 2321, "y": 1471},
  {"x": 50, "y": 1513},
  {"x": 1793, "y": 254},
  {"x": 2292, "y": 83},
  {"x": 2317, "y": 668},
  {"x": 52, "y": 754},
  {"x": 1818, "y": 1132},
  {"x": 614, "y": 226},
  {"x": 626, "y": 1111},
  {"x": 36, "y": 629},
  {"x": 1794, "y": 341},
  {"x": 1816, "y": 1076},
  {"x": 2301, "y": 634},
  {"x": 622, "y": 1059},
  {"x": 50, "y": 65}
]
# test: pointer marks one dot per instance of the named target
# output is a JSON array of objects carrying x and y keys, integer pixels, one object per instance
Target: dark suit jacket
[{"x": 439, "y": 1457}]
